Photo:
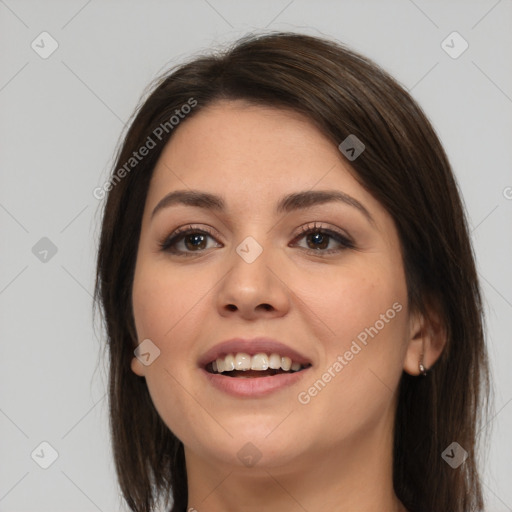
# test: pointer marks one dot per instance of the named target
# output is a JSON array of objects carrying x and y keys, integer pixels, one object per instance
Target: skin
[{"x": 335, "y": 452}]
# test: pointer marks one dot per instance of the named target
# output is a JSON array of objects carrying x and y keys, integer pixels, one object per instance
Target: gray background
[{"x": 61, "y": 118}]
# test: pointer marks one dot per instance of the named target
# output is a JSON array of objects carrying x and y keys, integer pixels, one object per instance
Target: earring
[{"x": 422, "y": 368}]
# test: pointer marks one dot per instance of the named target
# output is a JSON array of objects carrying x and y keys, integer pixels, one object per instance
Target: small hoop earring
[{"x": 422, "y": 368}]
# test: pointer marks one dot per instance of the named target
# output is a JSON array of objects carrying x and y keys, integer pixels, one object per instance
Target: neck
[{"x": 356, "y": 475}]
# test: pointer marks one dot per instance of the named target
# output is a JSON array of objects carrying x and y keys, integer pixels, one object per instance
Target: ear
[
  {"x": 138, "y": 368},
  {"x": 427, "y": 341}
]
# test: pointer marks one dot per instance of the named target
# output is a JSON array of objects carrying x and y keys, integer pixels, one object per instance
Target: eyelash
[{"x": 169, "y": 242}]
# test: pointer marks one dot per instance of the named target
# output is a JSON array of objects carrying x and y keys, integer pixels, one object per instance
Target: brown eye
[
  {"x": 186, "y": 241},
  {"x": 318, "y": 240},
  {"x": 195, "y": 241}
]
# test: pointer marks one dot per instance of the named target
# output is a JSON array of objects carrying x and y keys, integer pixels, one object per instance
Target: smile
[
  {"x": 242, "y": 365},
  {"x": 266, "y": 374}
]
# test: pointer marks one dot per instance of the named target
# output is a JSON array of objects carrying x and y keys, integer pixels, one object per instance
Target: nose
[{"x": 254, "y": 289}]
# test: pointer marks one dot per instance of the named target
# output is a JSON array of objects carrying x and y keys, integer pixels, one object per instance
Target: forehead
[{"x": 251, "y": 150}]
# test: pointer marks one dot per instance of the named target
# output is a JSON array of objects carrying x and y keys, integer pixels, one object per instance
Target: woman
[{"x": 293, "y": 314}]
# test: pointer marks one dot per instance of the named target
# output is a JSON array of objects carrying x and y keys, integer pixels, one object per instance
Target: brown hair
[{"x": 404, "y": 167}]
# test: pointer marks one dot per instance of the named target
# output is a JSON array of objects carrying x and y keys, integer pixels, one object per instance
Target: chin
[{"x": 254, "y": 445}]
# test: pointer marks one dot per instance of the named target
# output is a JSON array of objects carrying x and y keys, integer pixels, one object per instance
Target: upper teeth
[{"x": 259, "y": 362}]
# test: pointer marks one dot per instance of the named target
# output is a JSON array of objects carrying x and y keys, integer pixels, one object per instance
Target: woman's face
[{"x": 323, "y": 278}]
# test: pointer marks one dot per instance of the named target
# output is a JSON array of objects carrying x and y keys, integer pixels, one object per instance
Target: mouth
[
  {"x": 245, "y": 366},
  {"x": 253, "y": 368}
]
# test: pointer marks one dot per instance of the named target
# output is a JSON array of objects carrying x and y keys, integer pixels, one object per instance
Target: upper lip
[{"x": 251, "y": 347}]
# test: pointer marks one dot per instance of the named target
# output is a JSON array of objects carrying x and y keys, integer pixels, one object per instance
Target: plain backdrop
[{"x": 61, "y": 118}]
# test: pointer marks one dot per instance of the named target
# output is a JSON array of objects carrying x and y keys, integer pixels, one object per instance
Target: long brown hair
[{"x": 403, "y": 166}]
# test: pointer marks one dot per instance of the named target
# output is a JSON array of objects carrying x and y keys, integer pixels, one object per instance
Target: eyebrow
[{"x": 289, "y": 203}]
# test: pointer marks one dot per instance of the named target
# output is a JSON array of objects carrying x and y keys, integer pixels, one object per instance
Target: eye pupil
[
  {"x": 196, "y": 237},
  {"x": 318, "y": 237}
]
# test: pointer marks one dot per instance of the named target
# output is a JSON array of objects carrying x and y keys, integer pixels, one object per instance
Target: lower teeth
[{"x": 248, "y": 374}]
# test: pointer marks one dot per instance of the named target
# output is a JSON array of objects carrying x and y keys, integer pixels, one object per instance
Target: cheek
[
  {"x": 372, "y": 348},
  {"x": 161, "y": 300},
  {"x": 347, "y": 300},
  {"x": 168, "y": 310},
  {"x": 354, "y": 391},
  {"x": 363, "y": 328},
  {"x": 373, "y": 325}
]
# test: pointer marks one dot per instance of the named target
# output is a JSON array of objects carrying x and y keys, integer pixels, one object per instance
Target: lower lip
[{"x": 254, "y": 386}]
